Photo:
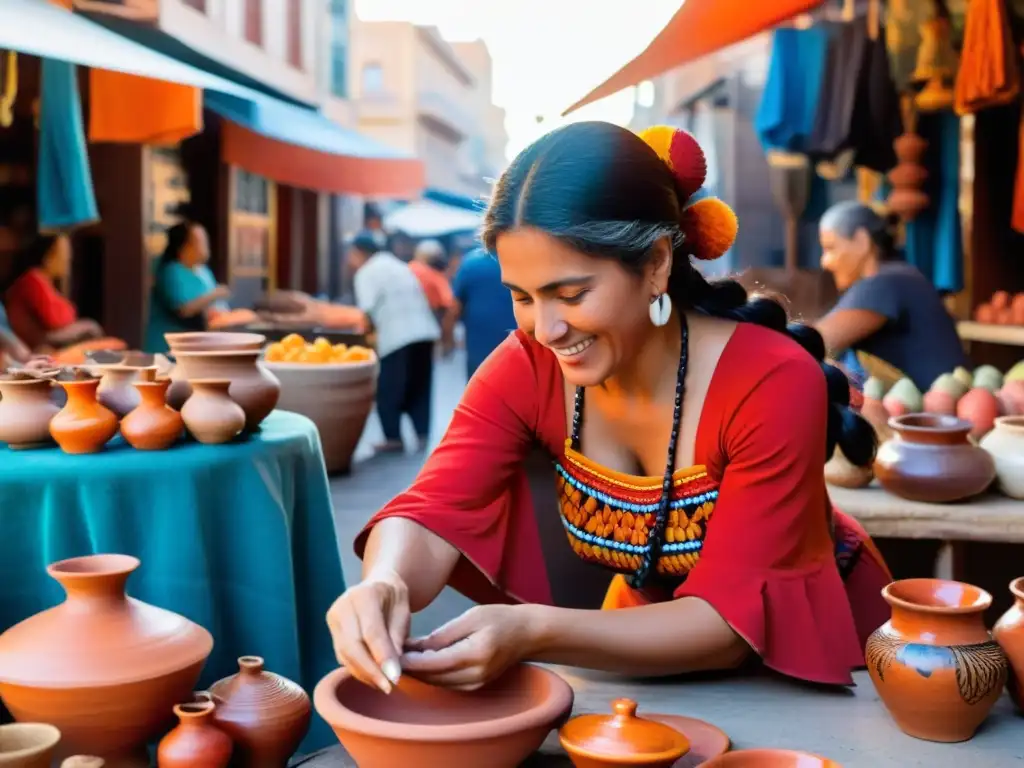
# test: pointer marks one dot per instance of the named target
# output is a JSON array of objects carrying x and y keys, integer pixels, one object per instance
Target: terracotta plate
[{"x": 706, "y": 741}]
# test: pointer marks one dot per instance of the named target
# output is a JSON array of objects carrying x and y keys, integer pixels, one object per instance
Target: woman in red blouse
[{"x": 688, "y": 428}]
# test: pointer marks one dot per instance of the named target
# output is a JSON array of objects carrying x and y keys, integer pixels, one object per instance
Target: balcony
[{"x": 445, "y": 113}]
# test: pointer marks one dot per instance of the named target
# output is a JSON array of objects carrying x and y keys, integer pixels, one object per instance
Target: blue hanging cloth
[
  {"x": 65, "y": 196},
  {"x": 789, "y": 103}
]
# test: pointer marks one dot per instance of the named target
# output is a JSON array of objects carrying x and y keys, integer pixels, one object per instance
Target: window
[
  {"x": 295, "y": 33},
  {"x": 373, "y": 78},
  {"x": 254, "y": 21},
  {"x": 339, "y": 48}
]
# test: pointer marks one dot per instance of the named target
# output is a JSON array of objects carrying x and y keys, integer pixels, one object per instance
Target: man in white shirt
[{"x": 406, "y": 329}]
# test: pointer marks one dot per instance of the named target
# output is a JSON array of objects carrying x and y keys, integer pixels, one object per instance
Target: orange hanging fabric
[
  {"x": 1017, "y": 214},
  {"x": 130, "y": 109},
  {"x": 989, "y": 73}
]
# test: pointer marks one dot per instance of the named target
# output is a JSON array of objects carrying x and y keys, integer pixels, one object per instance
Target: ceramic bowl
[
  {"x": 497, "y": 726},
  {"x": 770, "y": 758},
  {"x": 27, "y": 744},
  {"x": 213, "y": 341}
]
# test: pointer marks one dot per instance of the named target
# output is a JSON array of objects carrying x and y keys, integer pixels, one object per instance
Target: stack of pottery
[
  {"x": 936, "y": 668},
  {"x": 26, "y": 410},
  {"x": 232, "y": 357},
  {"x": 908, "y": 198},
  {"x": 104, "y": 668}
]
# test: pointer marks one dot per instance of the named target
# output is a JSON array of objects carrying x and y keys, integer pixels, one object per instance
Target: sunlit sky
[{"x": 547, "y": 53}]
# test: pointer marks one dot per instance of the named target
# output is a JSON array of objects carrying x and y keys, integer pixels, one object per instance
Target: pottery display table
[
  {"x": 848, "y": 725},
  {"x": 239, "y": 538}
]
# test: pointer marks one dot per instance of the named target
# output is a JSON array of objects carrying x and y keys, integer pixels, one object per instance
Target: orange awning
[{"x": 698, "y": 28}]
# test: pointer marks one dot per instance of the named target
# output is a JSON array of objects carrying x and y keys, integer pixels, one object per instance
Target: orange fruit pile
[{"x": 295, "y": 349}]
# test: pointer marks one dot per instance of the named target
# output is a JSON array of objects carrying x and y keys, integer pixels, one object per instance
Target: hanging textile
[
  {"x": 934, "y": 241},
  {"x": 785, "y": 117},
  {"x": 989, "y": 73},
  {"x": 65, "y": 197},
  {"x": 1017, "y": 213},
  {"x": 131, "y": 109}
]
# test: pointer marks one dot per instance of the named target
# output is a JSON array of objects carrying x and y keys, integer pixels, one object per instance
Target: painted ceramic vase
[
  {"x": 153, "y": 425},
  {"x": 131, "y": 663},
  {"x": 28, "y": 745},
  {"x": 210, "y": 414},
  {"x": 936, "y": 668},
  {"x": 930, "y": 458},
  {"x": 1009, "y": 633},
  {"x": 196, "y": 742},
  {"x": 265, "y": 714},
  {"x": 26, "y": 411},
  {"x": 252, "y": 386},
  {"x": 621, "y": 739},
  {"x": 83, "y": 425},
  {"x": 1005, "y": 444},
  {"x": 117, "y": 391}
]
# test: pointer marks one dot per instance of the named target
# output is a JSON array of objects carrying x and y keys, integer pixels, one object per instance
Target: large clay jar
[
  {"x": 621, "y": 739},
  {"x": 1009, "y": 633},
  {"x": 117, "y": 391},
  {"x": 937, "y": 669},
  {"x": 153, "y": 425},
  {"x": 265, "y": 714},
  {"x": 104, "y": 668},
  {"x": 83, "y": 425},
  {"x": 203, "y": 341},
  {"x": 252, "y": 386},
  {"x": 27, "y": 745},
  {"x": 337, "y": 398},
  {"x": 931, "y": 459},
  {"x": 1005, "y": 444},
  {"x": 210, "y": 414},
  {"x": 196, "y": 742},
  {"x": 26, "y": 411}
]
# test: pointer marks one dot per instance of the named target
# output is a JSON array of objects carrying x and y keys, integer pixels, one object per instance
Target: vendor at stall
[{"x": 888, "y": 310}]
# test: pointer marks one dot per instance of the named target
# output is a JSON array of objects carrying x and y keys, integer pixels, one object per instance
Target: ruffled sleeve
[
  {"x": 767, "y": 565},
  {"x": 473, "y": 491}
]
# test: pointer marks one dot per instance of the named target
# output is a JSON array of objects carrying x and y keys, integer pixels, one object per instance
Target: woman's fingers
[
  {"x": 352, "y": 651},
  {"x": 447, "y": 635},
  {"x": 468, "y": 679},
  {"x": 460, "y": 655},
  {"x": 399, "y": 619}
]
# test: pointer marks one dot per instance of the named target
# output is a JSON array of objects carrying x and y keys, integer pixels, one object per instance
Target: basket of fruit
[{"x": 334, "y": 385}]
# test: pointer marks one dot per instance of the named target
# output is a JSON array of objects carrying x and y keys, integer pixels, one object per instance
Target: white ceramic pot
[
  {"x": 337, "y": 397},
  {"x": 1005, "y": 444}
]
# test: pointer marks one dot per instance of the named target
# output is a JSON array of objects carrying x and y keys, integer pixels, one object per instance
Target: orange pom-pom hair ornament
[{"x": 709, "y": 225}]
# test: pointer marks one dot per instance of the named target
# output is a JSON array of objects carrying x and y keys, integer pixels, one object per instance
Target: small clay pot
[
  {"x": 931, "y": 459},
  {"x": 153, "y": 425},
  {"x": 1009, "y": 633},
  {"x": 265, "y": 714},
  {"x": 1005, "y": 444},
  {"x": 26, "y": 411},
  {"x": 116, "y": 390},
  {"x": 621, "y": 739},
  {"x": 253, "y": 387},
  {"x": 196, "y": 742},
  {"x": 770, "y": 758},
  {"x": 83, "y": 425},
  {"x": 936, "y": 668},
  {"x": 27, "y": 745},
  {"x": 210, "y": 414}
]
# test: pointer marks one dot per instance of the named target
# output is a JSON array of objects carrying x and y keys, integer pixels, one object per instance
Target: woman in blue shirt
[{"x": 184, "y": 288}]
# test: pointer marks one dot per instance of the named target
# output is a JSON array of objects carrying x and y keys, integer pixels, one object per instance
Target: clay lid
[{"x": 623, "y": 734}]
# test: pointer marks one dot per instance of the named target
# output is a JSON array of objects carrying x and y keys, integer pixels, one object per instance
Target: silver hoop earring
[{"x": 661, "y": 310}]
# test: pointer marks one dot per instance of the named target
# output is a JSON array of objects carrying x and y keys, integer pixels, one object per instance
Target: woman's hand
[
  {"x": 471, "y": 650},
  {"x": 369, "y": 624}
]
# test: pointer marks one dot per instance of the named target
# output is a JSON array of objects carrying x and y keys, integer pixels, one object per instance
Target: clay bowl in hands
[
  {"x": 497, "y": 726},
  {"x": 770, "y": 758}
]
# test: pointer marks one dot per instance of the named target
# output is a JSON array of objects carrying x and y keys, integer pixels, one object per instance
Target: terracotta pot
[
  {"x": 210, "y": 414},
  {"x": 621, "y": 739},
  {"x": 83, "y": 425},
  {"x": 337, "y": 398},
  {"x": 203, "y": 341},
  {"x": 131, "y": 663},
  {"x": 1005, "y": 444},
  {"x": 153, "y": 425},
  {"x": 265, "y": 714},
  {"x": 937, "y": 669},
  {"x": 930, "y": 459},
  {"x": 26, "y": 411},
  {"x": 252, "y": 386},
  {"x": 770, "y": 758},
  {"x": 1009, "y": 633},
  {"x": 497, "y": 726},
  {"x": 196, "y": 742},
  {"x": 27, "y": 745},
  {"x": 117, "y": 391}
]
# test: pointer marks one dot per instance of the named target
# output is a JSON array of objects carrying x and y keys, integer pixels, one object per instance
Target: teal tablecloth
[{"x": 239, "y": 538}]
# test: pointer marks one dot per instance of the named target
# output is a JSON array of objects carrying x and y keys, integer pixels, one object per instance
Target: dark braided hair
[{"x": 602, "y": 190}]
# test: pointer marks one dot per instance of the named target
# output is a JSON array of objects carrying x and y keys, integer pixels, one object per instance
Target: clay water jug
[
  {"x": 196, "y": 742},
  {"x": 153, "y": 425},
  {"x": 1009, "y": 633},
  {"x": 936, "y": 668},
  {"x": 26, "y": 411},
  {"x": 83, "y": 424},
  {"x": 210, "y": 414}
]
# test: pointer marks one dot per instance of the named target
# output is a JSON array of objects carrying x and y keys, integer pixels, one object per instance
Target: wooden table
[{"x": 848, "y": 725}]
